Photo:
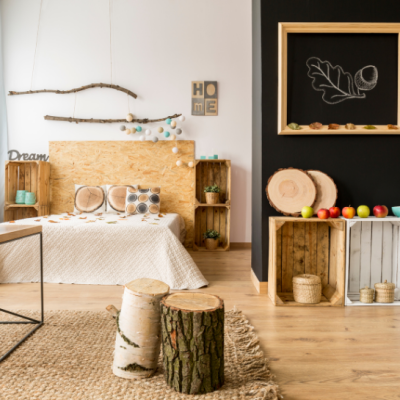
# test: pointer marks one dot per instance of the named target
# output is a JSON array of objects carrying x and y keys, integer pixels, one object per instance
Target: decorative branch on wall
[
  {"x": 92, "y": 85},
  {"x": 108, "y": 121}
]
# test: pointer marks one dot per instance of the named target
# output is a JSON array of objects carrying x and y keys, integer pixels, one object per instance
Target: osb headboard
[{"x": 125, "y": 162}]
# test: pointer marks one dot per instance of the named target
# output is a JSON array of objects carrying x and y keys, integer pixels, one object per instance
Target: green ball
[
  {"x": 168, "y": 121},
  {"x": 166, "y": 134},
  {"x": 138, "y": 129}
]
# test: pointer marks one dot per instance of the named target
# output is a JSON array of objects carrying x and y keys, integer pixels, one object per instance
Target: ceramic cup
[
  {"x": 20, "y": 199},
  {"x": 30, "y": 198}
]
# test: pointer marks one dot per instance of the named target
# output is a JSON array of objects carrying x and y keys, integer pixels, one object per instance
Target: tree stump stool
[
  {"x": 137, "y": 346},
  {"x": 193, "y": 342}
]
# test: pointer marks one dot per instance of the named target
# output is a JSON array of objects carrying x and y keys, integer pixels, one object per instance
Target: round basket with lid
[
  {"x": 384, "y": 292},
  {"x": 307, "y": 289},
  {"x": 367, "y": 295}
]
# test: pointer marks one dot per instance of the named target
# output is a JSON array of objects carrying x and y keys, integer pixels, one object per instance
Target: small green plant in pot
[
  {"x": 211, "y": 239},
  {"x": 212, "y": 194}
]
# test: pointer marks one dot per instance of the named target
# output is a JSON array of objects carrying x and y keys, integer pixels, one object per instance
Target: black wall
[{"x": 366, "y": 169}]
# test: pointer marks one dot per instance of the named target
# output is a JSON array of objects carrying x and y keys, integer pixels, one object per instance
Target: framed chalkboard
[{"x": 341, "y": 75}]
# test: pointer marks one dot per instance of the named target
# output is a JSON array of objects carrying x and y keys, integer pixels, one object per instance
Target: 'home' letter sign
[{"x": 204, "y": 98}]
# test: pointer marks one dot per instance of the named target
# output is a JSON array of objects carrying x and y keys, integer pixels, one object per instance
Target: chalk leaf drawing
[{"x": 338, "y": 85}]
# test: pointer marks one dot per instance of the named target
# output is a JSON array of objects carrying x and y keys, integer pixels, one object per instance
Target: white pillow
[
  {"x": 116, "y": 196},
  {"x": 141, "y": 201},
  {"x": 89, "y": 199}
]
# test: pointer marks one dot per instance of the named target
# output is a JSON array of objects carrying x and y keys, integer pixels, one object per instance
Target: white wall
[{"x": 158, "y": 48}]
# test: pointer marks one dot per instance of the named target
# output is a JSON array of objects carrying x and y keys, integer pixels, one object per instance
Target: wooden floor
[{"x": 328, "y": 354}]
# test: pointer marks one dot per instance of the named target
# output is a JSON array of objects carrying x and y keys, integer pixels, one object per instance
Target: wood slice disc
[
  {"x": 116, "y": 196},
  {"x": 326, "y": 190},
  {"x": 148, "y": 286},
  {"x": 89, "y": 198},
  {"x": 290, "y": 189},
  {"x": 193, "y": 301}
]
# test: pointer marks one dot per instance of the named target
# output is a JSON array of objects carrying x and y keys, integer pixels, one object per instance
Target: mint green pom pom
[
  {"x": 166, "y": 134},
  {"x": 138, "y": 129},
  {"x": 168, "y": 121}
]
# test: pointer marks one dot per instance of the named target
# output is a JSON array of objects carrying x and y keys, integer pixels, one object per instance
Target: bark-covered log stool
[
  {"x": 137, "y": 346},
  {"x": 193, "y": 342}
]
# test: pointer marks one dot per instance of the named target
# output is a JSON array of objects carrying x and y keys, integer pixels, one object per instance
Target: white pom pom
[
  {"x": 172, "y": 137},
  {"x": 148, "y": 132},
  {"x": 191, "y": 164},
  {"x": 142, "y": 138},
  {"x": 129, "y": 117},
  {"x": 179, "y": 163},
  {"x": 175, "y": 150},
  {"x": 155, "y": 139},
  {"x": 181, "y": 118}
]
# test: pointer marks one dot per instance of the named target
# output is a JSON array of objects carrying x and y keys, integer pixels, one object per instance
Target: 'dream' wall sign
[{"x": 204, "y": 98}]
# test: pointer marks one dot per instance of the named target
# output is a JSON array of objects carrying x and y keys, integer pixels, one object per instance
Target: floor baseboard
[{"x": 261, "y": 287}]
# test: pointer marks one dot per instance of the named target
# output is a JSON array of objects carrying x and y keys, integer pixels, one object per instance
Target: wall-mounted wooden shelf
[
  {"x": 380, "y": 129},
  {"x": 32, "y": 176},
  {"x": 212, "y": 216}
]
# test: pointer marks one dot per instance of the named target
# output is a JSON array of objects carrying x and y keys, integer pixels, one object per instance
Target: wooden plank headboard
[{"x": 125, "y": 162}]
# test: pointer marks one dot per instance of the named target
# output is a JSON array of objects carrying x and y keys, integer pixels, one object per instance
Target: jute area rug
[{"x": 70, "y": 357}]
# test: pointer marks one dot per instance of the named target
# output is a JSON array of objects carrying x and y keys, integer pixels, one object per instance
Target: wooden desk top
[{"x": 9, "y": 232}]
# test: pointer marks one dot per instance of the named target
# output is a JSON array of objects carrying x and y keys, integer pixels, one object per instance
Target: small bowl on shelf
[{"x": 396, "y": 211}]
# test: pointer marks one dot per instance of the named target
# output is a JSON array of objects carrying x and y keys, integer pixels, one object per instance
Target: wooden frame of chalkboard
[{"x": 329, "y": 28}]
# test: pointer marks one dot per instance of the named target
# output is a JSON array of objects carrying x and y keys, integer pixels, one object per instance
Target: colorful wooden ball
[
  {"x": 191, "y": 164},
  {"x": 128, "y": 131},
  {"x": 129, "y": 117},
  {"x": 173, "y": 127},
  {"x": 173, "y": 137},
  {"x": 166, "y": 134},
  {"x": 168, "y": 120},
  {"x": 148, "y": 132},
  {"x": 178, "y": 131},
  {"x": 155, "y": 139},
  {"x": 179, "y": 163},
  {"x": 160, "y": 129},
  {"x": 133, "y": 130},
  {"x": 142, "y": 138},
  {"x": 122, "y": 128},
  {"x": 173, "y": 124},
  {"x": 139, "y": 128},
  {"x": 181, "y": 118},
  {"x": 175, "y": 150}
]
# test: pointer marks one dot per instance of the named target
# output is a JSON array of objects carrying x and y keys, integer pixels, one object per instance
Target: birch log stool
[
  {"x": 137, "y": 346},
  {"x": 193, "y": 342}
]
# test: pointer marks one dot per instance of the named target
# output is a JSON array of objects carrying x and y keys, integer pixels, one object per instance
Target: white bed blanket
[{"x": 92, "y": 250}]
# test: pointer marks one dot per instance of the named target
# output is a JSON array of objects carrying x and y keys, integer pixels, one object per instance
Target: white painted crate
[{"x": 372, "y": 255}]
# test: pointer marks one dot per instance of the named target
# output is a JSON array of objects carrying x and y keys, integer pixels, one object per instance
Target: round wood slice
[
  {"x": 116, "y": 197},
  {"x": 148, "y": 286},
  {"x": 290, "y": 189},
  {"x": 326, "y": 190},
  {"x": 193, "y": 301},
  {"x": 89, "y": 198}
]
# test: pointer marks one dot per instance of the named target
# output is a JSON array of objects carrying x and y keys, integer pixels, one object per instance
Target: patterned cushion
[
  {"x": 90, "y": 199},
  {"x": 142, "y": 201},
  {"x": 116, "y": 196}
]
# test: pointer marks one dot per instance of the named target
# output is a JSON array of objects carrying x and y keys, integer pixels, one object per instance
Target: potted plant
[
  {"x": 211, "y": 239},
  {"x": 212, "y": 194}
]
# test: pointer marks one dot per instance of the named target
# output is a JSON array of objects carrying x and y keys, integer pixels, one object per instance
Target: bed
[{"x": 112, "y": 249}]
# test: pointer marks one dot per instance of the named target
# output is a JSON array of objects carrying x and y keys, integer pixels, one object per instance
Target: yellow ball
[
  {"x": 160, "y": 129},
  {"x": 129, "y": 117},
  {"x": 128, "y": 131},
  {"x": 172, "y": 137},
  {"x": 133, "y": 130},
  {"x": 173, "y": 124},
  {"x": 191, "y": 164},
  {"x": 179, "y": 163}
]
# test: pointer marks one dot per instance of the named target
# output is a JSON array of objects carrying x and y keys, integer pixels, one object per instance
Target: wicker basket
[
  {"x": 307, "y": 289},
  {"x": 384, "y": 292},
  {"x": 367, "y": 295}
]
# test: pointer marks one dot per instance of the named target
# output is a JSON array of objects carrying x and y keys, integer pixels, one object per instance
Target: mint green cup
[
  {"x": 20, "y": 198},
  {"x": 30, "y": 198}
]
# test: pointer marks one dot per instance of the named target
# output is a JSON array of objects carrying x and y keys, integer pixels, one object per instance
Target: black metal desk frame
[{"x": 28, "y": 319}]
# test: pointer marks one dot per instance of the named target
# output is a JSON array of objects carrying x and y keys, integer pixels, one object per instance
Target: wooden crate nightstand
[
  {"x": 212, "y": 216},
  {"x": 32, "y": 176},
  {"x": 306, "y": 246}
]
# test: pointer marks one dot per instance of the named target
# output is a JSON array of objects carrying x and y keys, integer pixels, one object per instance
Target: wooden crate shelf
[
  {"x": 32, "y": 176},
  {"x": 373, "y": 256},
  {"x": 212, "y": 216},
  {"x": 306, "y": 246}
]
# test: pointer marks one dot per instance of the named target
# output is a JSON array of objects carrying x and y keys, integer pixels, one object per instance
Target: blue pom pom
[
  {"x": 168, "y": 121},
  {"x": 138, "y": 129},
  {"x": 166, "y": 134}
]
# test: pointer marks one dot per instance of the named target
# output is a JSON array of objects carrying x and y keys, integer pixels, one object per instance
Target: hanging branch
[
  {"x": 93, "y": 85},
  {"x": 107, "y": 121}
]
